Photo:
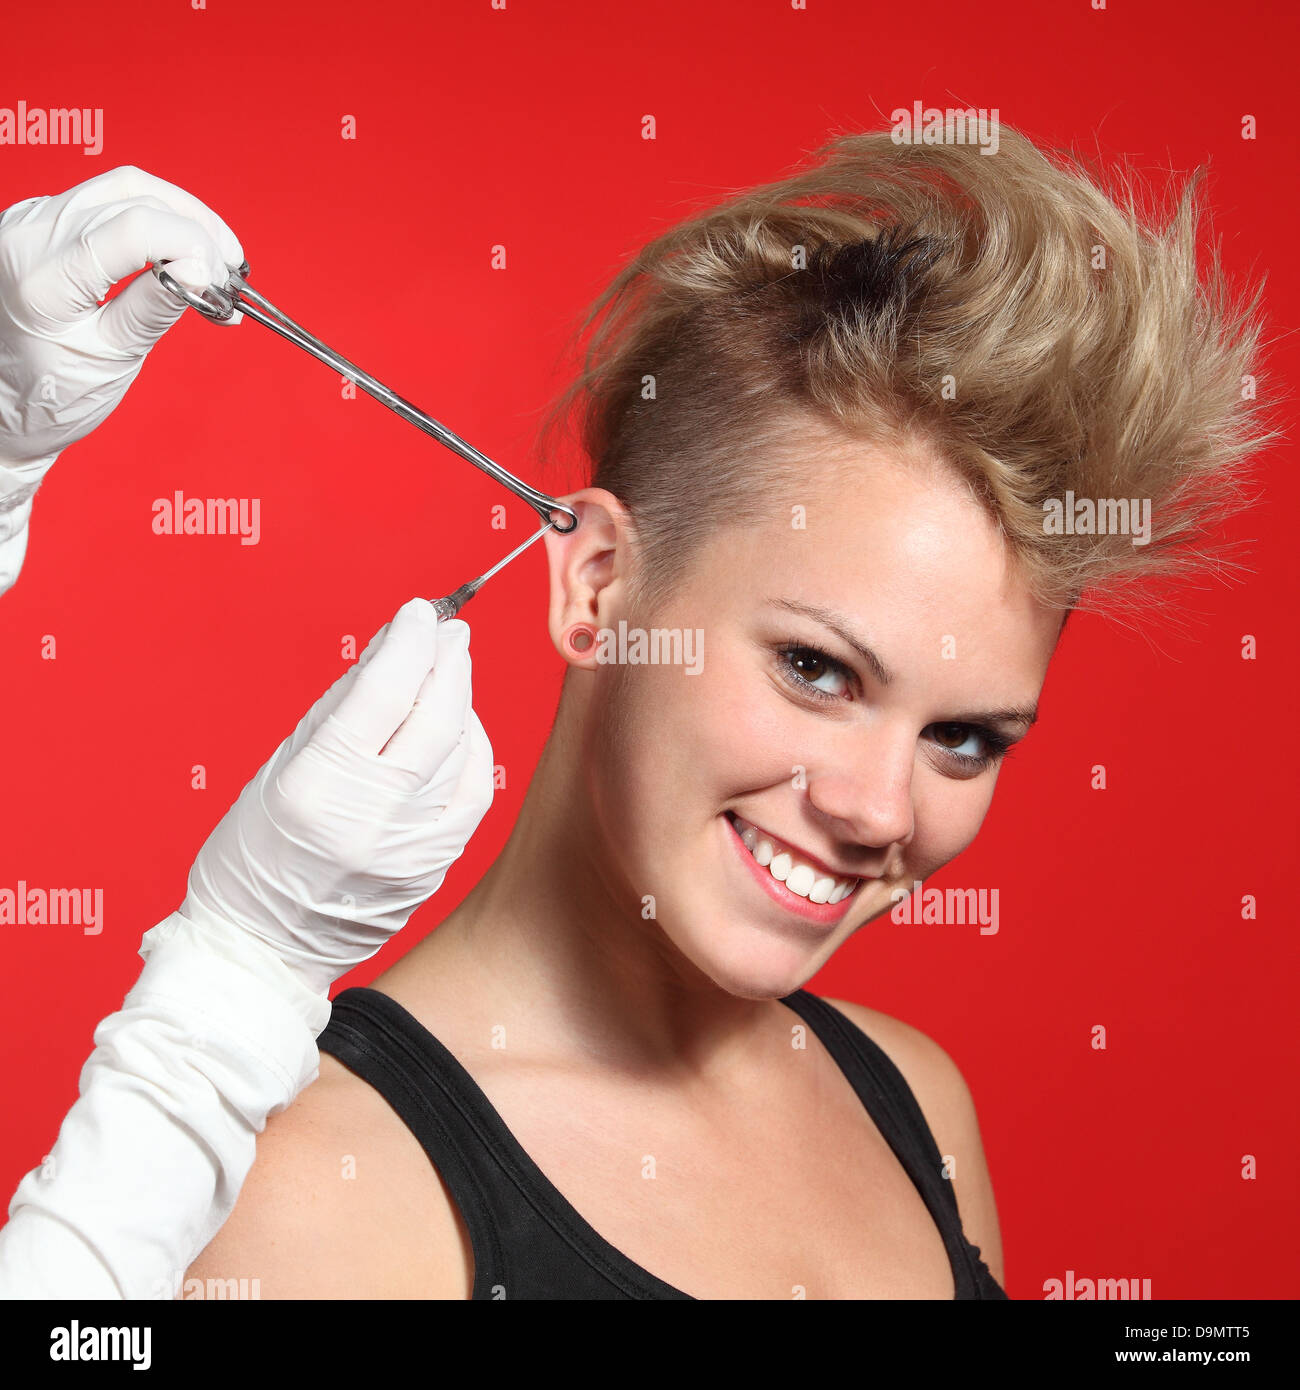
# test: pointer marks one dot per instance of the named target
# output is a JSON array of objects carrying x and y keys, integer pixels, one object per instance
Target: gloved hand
[
  {"x": 66, "y": 361},
  {"x": 349, "y": 826},
  {"x": 355, "y": 820}
]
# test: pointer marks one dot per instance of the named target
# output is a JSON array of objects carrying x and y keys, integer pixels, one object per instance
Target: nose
[{"x": 862, "y": 782}]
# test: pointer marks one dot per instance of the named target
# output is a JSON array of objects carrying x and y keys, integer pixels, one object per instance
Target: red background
[{"x": 522, "y": 127}]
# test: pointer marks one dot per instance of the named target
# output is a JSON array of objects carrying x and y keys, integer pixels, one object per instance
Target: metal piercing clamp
[{"x": 220, "y": 303}]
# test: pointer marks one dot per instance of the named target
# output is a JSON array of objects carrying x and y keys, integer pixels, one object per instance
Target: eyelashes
[
  {"x": 997, "y": 745},
  {"x": 798, "y": 659},
  {"x": 805, "y": 667}
]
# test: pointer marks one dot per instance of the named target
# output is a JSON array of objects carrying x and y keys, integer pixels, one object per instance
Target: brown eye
[
  {"x": 970, "y": 747},
  {"x": 814, "y": 672},
  {"x": 809, "y": 665},
  {"x": 951, "y": 735}
]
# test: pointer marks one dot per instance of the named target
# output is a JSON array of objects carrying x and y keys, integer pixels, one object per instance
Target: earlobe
[
  {"x": 579, "y": 641},
  {"x": 587, "y": 567}
]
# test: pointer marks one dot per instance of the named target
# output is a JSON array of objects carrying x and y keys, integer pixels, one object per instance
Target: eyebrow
[{"x": 1023, "y": 715}]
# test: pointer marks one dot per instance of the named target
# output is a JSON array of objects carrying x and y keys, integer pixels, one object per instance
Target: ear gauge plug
[{"x": 579, "y": 640}]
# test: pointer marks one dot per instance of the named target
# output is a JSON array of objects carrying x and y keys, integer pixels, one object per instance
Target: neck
[{"x": 554, "y": 933}]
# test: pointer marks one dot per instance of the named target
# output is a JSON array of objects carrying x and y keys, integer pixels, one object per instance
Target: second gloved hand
[{"x": 355, "y": 820}]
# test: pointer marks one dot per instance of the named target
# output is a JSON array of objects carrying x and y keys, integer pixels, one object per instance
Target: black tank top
[{"x": 528, "y": 1241}]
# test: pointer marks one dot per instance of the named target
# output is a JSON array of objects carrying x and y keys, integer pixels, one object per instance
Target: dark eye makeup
[{"x": 807, "y": 668}]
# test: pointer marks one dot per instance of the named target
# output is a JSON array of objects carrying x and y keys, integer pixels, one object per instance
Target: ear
[{"x": 589, "y": 567}]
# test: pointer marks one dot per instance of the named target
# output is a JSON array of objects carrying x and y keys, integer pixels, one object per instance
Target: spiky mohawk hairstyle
[{"x": 1045, "y": 337}]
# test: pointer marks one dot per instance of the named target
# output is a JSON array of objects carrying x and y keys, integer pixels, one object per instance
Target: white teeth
[
  {"x": 800, "y": 880},
  {"x": 785, "y": 866}
]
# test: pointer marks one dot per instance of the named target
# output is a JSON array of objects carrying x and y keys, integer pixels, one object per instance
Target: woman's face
[{"x": 860, "y": 674}]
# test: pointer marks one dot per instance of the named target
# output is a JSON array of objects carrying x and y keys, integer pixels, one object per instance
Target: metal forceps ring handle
[{"x": 221, "y": 303}]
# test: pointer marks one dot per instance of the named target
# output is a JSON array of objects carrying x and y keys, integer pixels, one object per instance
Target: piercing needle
[{"x": 456, "y": 600}]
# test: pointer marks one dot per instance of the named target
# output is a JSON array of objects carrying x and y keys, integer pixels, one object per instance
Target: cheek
[
  {"x": 668, "y": 744},
  {"x": 740, "y": 733},
  {"x": 948, "y": 817},
  {"x": 648, "y": 751}
]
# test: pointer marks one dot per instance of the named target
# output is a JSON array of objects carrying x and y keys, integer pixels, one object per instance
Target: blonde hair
[{"x": 1080, "y": 349}]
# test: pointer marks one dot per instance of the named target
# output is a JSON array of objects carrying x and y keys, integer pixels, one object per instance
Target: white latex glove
[
  {"x": 337, "y": 839},
  {"x": 215, "y": 1035},
  {"x": 355, "y": 820},
  {"x": 65, "y": 360}
]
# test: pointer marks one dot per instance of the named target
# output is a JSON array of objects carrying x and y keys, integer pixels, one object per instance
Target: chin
[{"x": 749, "y": 963}]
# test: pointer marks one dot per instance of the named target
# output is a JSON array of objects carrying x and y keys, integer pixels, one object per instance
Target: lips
[
  {"x": 817, "y": 893},
  {"x": 803, "y": 875}
]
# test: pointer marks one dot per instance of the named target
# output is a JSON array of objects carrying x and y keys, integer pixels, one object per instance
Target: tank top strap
[
  {"x": 528, "y": 1242},
  {"x": 890, "y": 1102}
]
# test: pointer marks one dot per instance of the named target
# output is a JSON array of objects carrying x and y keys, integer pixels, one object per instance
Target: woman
[{"x": 830, "y": 423}]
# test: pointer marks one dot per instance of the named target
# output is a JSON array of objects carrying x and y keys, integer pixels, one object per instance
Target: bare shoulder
[
  {"x": 949, "y": 1109},
  {"x": 341, "y": 1202},
  {"x": 934, "y": 1077}
]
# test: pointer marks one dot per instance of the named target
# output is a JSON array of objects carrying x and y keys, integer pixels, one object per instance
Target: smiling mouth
[{"x": 791, "y": 867}]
